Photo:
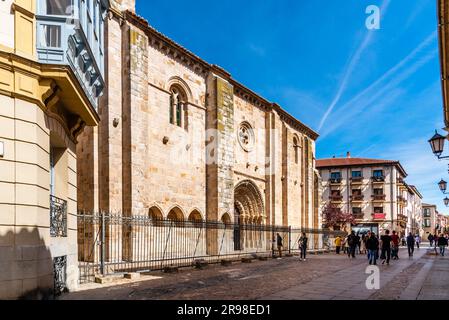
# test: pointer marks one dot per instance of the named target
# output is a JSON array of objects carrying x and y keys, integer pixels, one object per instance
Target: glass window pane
[
  {"x": 378, "y": 173},
  {"x": 356, "y": 174},
  {"x": 50, "y": 36},
  {"x": 59, "y": 7}
]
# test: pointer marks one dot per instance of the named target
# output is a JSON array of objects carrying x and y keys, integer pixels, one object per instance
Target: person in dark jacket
[
  {"x": 352, "y": 242},
  {"x": 279, "y": 244},
  {"x": 372, "y": 246},
  {"x": 410, "y": 244},
  {"x": 442, "y": 243},
  {"x": 430, "y": 238}
]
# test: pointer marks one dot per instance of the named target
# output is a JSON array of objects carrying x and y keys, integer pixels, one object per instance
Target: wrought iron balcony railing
[
  {"x": 335, "y": 180},
  {"x": 336, "y": 198},
  {"x": 58, "y": 217},
  {"x": 378, "y": 179},
  {"x": 358, "y": 216},
  {"x": 357, "y": 197},
  {"x": 357, "y": 179},
  {"x": 379, "y": 197}
]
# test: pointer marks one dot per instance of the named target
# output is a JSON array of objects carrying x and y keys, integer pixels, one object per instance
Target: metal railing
[
  {"x": 110, "y": 244},
  {"x": 58, "y": 217}
]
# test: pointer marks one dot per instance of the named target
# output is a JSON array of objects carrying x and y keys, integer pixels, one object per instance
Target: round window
[{"x": 245, "y": 136}]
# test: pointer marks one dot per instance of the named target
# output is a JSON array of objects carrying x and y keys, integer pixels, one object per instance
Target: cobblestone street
[{"x": 325, "y": 277}]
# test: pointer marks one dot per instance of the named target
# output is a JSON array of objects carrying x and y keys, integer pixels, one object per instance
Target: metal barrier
[{"x": 111, "y": 244}]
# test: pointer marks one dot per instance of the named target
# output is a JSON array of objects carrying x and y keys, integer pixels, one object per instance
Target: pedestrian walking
[
  {"x": 442, "y": 243},
  {"x": 395, "y": 247},
  {"x": 303, "y": 246},
  {"x": 386, "y": 247},
  {"x": 279, "y": 244},
  {"x": 430, "y": 238},
  {"x": 352, "y": 243},
  {"x": 435, "y": 243},
  {"x": 345, "y": 245},
  {"x": 410, "y": 244},
  {"x": 372, "y": 245},
  {"x": 363, "y": 244},
  {"x": 417, "y": 240},
  {"x": 338, "y": 242}
]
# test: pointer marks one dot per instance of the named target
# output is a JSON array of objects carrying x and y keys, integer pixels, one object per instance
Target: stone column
[{"x": 220, "y": 153}]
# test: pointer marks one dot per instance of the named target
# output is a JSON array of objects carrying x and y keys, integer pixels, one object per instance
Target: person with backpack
[
  {"x": 442, "y": 243},
  {"x": 410, "y": 244},
  {"x": 372, "y": 245}
]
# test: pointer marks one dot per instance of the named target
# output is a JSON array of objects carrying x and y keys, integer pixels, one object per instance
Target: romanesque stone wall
[{"x": 176, "y": 171}]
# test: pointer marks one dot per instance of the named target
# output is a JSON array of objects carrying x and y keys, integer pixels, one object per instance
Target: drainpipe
[{"x": 392, "y": 197}]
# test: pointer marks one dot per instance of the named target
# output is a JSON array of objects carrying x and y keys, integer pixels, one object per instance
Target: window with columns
[
  {"x": 296, "y": 149},
  {"x": 178, "y": 107}
]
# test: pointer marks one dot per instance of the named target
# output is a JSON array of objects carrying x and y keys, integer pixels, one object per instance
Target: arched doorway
[{"x": 248, "y": 210}]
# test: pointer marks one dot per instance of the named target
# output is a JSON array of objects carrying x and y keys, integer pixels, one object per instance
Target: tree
[{"x": 333, "y": 216}]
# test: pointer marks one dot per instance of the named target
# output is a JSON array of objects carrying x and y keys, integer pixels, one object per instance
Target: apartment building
[{"x": 373, "y": 190}]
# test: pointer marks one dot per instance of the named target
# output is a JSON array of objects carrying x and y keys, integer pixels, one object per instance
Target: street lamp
[
  {"x": 437, "y": 145},
  {"x": 446, "y": 201},
  {"x": 443, "y": 186}
]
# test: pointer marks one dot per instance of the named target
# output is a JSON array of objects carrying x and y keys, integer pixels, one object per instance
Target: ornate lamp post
[{"x": 437, "y": 145}]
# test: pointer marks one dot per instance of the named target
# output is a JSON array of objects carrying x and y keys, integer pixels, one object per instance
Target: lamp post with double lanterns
[{"x": 437, "y": 145}]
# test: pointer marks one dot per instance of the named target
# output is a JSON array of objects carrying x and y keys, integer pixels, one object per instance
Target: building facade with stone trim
[
  {"x": 179, "y": 136},
  {"x": 372, "y": 190},
  {"x": 44, "y": 105}
]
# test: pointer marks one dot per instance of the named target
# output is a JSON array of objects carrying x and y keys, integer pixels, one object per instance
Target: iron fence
[{"x": 111, "y": 244}]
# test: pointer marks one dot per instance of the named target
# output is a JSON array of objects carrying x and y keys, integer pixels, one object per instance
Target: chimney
[{"x": 348, "y": 155}]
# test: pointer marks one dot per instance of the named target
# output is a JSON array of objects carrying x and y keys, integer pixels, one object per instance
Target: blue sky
[{"x": 375, "y": 93}]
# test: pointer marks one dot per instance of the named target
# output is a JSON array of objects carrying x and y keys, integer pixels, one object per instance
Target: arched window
[
  {"x": 178, "y": 106},
  {"x": 195, "y": 216},
  {"x": 296, "y": 149}
]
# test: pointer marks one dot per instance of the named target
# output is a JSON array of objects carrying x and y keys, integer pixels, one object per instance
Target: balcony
[
  {"x": 359, "y": 216},
  {"x": 335, "y": 181},
  {"x": 357, "y": 198},
  {"x": 402, "y": 200},
  {"x": 357, "y": 180},
  {"x": 58, "y": 217},
  {"x": 336, "y": 198},
  {"x": 378, "y": 179},
  {"x": 379, "y": 197},
  {"x": 402, "y": 217},
  {"x": 379, "y": 216}
]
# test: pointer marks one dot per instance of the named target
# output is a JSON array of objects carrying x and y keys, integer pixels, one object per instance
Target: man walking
[
  {"x": 410, "y": 244},
  {"x": 395, "y": 249},
  {"x": 303, "y": 247},
  {"x": 386, "y": 247},
  {"x": 372, "y": 245},
  {"x": 442, "y": 243},
  {"x": 430, "y": 238},
  {"x": 279, "y": 244},
  {"x": 352, "y": 242}
]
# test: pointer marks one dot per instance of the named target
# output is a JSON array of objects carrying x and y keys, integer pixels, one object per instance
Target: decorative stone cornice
[
  {"x": 198, "y": 65},
  {"x": 295, "y": 123}
]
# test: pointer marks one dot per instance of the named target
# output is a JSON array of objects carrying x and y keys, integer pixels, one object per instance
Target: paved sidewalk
[{"x": 321, "y": 277}]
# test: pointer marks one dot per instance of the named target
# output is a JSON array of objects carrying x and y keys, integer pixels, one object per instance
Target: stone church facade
[{"x": 179, "y": 138}]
